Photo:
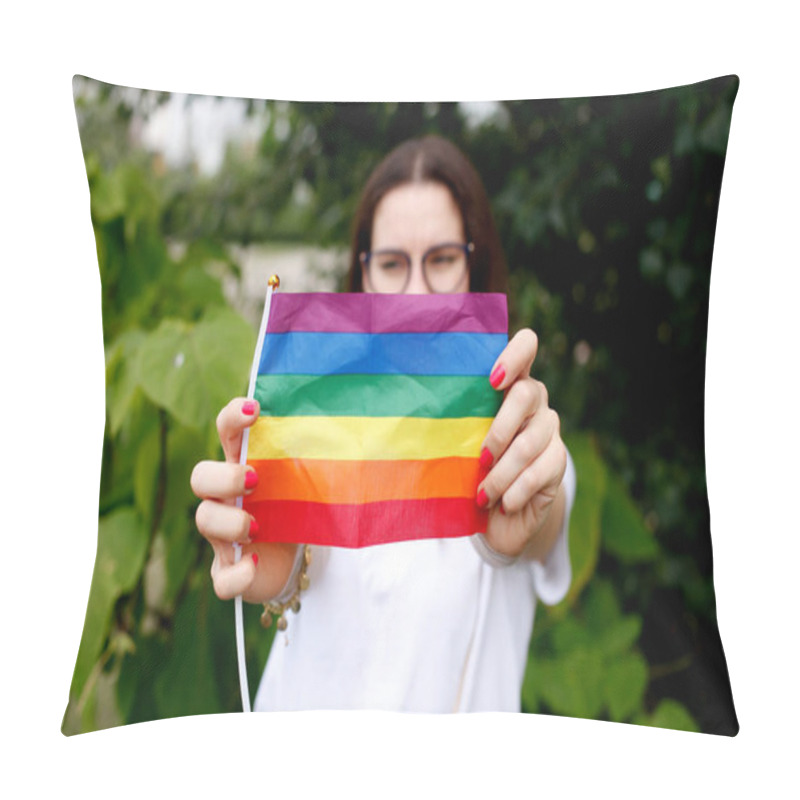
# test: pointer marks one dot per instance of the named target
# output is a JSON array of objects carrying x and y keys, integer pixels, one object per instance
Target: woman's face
[{"x": 415, "y": 217}]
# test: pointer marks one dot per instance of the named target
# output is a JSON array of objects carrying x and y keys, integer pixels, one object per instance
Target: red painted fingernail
[
  {"x": 502, "y": 510},
  {"x": 486, "y": 458},
  {"x": 483, "y": 499},
  {"x": 496, "y": 378},
  {"x": 253, "y": 527},
  {"x": 248, "y": 407},
  {"x": 250, "y": 479},
  {"x": 255, "y": 558}
]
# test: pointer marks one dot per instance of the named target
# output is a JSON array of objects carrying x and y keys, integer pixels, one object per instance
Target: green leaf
[
  {"x": 651, "y": 262},
  {"x": 620, "y": 636},
  {"x": 108, "y": 196},
  {"x": 607, "y": 629},
  {"x": 187, "y": 685},
  {"x": 181, "y": 543},
  {"x": 126, "y": 687},
  {"x": 584, "y": 527},
  {"x": 185, "y": 448},
  {"x": 714, "y": 131},
  {"x": 662, "y": 169},
  {"x": 625, "y": 681},
  {"x": 193, "y": 370},
  {"x": 569, "y": 634},
  {"x": 173, "y": 552},
  {"x": 530, "y": 695},
  {"x": 654, "y": 191},
  {"x": 135, "y": 698},
  {"x": 176, "y": 544},
  {"x": 601, "y": 606},
  {"x": 669, "y": 714},
  {"x": 121, "y": 376},
  {"x": 572, "y": 685},
  {"x": 116, "y": 485},
  {"x": 624, "y": 533},
  {"x": 679, "y": 279},
  {"x": 684, "y": 141},
  {"x": 160, "y": 587},
  {"x": 121, "y": 546},
  {"x": 88, "y": 710},
  {"x": 197, "y": 288},
  {"x": 145, "y": 476}
]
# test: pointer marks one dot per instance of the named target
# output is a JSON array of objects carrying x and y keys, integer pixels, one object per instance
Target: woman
[{"x": 434, "y": 625}]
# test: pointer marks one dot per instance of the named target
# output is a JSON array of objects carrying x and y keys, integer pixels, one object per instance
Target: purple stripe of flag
[{"x": 388, "y": 313}]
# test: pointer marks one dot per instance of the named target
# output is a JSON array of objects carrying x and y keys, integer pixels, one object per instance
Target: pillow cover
[{"x": 606, "y": 208}]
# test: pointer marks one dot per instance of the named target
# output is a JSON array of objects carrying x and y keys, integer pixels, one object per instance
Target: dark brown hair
[{"x": 432, "y": 158}]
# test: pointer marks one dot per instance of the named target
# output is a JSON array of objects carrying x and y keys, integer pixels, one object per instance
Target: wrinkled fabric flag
[{"x": 373, "y": 411}]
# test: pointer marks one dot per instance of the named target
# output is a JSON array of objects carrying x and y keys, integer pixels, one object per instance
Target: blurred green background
[{"x": 606, "y": 208}]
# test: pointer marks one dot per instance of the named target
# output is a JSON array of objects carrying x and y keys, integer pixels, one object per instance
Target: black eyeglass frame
[{"x": 365, "y": 258}]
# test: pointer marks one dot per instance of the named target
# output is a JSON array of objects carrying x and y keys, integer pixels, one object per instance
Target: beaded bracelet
[{"x": 277, "y": 608}]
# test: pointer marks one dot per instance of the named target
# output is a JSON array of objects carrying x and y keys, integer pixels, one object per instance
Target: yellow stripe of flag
[{"x": 367, "y": 438}]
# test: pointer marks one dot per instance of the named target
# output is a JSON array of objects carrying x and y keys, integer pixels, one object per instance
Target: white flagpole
[{"x": 273, "y": 283}]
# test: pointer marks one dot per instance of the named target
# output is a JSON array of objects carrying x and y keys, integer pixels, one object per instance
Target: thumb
[{"x": 239, "y": 414}]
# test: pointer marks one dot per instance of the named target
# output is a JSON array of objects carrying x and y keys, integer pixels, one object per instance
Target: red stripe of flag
[{"x": 365, "y": 524}]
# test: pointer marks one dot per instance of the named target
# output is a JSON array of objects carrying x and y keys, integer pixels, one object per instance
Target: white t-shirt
[{"x": 437, "y": 625}]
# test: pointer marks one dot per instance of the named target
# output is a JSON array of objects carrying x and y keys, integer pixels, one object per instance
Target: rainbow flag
[{"x": 373, "y": 411}]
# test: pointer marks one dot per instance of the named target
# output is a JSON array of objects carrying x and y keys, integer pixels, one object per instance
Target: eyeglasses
[{"x": 443, "y": 268}]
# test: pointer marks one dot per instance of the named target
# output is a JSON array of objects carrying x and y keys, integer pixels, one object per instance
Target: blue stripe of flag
[{"x": 381, "y": 354}]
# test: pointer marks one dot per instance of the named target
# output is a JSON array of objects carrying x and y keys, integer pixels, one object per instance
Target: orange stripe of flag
[{"x": 324, "y": 481}]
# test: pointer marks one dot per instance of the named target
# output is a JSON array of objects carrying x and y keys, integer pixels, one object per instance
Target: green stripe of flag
[{"x": 432, "y": 396}]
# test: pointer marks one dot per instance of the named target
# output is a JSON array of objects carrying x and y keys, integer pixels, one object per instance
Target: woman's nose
[{"x": 416, "y": 281}]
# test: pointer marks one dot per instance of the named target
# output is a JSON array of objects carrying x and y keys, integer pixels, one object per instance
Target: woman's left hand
[{"x": 525, "y": 456}]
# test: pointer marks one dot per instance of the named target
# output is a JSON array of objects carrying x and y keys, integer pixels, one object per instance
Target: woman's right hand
[{"x": 264, "y": 567}]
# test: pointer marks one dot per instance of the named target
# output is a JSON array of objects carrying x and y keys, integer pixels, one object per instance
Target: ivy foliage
[{"x": 175, "y": 354}]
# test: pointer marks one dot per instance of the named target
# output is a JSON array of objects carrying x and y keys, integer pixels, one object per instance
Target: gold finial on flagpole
[{"x": 274, "y": 281}]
